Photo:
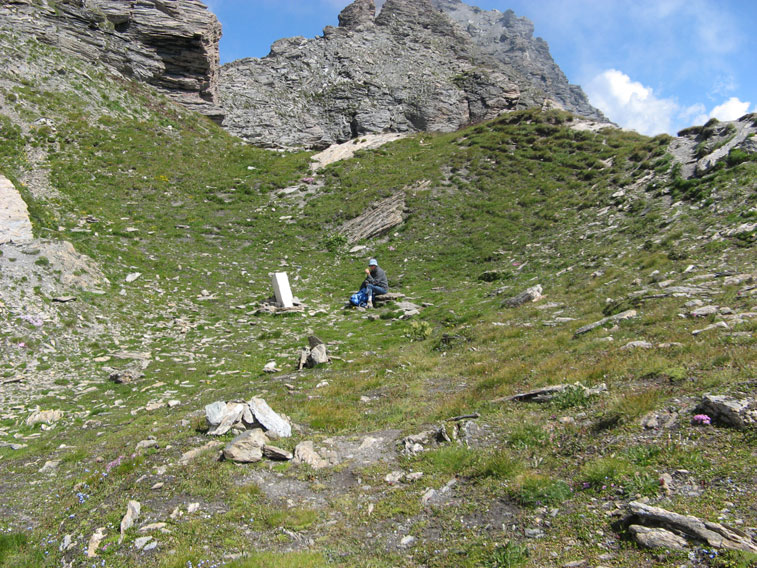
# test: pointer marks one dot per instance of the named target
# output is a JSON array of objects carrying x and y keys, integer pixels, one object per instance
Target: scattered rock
[
  {"x": 628, "y": 314},
  {"x": 132, "y": 514},
  {"x": 718, "y": 325},
  {"x": 193, "y": 508},
  {"x": 132, "y": 276},
  {"x": 247, "y": 447},
  {"x": 548, "y": 393},
  {"x": 270, "y": 420},
  {"x": 141, "y": 542},
  {"x": 657, "y": 538},
  {"x": 50, "y": 466},
  {"x": 304, "y": 453},
  {"x": 659, "y": 420},
  {"x": 276, "y": 454},
  {"x": 637, "y": 345},
  {"x": 407, "y": 541},
  {"x": 66, "y": 543},
  {"x": 533, "y": 294},
  {"x": 704, "y": 311},
  {"x": 44, "y": 417},
  {"x": 313, "y": 355},
  {"x": 681, "y": 526},
  {"x": 144, "y": 444},
  {"x": 94, "y": 542},
  {"x": 380, "y": 219},
  {"x": 153, "y": 527},
  {"x": 188, "y": 456},
  {"x": 395, "y": 477},
  {"x": 126, "y": 376},
  {"x": 222, "y": 416},
  {"x": 739, "y": 413}
]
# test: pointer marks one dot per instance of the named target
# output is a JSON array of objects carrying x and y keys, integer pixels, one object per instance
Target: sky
[{"x": 654, "y": 66}]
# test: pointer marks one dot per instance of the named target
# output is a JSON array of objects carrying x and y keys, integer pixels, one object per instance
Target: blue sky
[{"x": 651, "y": 65}]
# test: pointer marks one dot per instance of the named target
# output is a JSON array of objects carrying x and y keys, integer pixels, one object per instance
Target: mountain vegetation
[{"x": 484, "y": 430}]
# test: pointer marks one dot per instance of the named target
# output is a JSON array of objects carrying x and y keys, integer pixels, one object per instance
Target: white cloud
[
  {"x": 631, "y": 104},
  {"x": 732, "y": 109},
  {"x": 634, "y": 106}
]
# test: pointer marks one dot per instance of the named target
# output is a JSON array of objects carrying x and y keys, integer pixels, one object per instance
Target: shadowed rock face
[
  {"x": 171, "y": 44},
  {"x": 416, "y": 66}
]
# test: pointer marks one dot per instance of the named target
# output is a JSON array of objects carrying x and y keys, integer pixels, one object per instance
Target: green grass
[{"x": 516, "y": 201}]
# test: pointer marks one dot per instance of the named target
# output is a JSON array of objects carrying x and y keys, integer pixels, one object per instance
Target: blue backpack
[{"x": 359, "y": 298}]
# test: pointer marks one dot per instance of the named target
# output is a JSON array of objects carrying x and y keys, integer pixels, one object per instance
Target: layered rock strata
[{"x": 170, "y": 44}]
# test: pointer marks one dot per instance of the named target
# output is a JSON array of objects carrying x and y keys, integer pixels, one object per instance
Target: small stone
[
  {"x": 153, "y": 527},
  {"x": 637, "y": 345},
  {"x": 44, "y": 417},
  {"x": 277, "y": 454},
  {"x": 133, "y": 276},
  {"x": 66, "y": 543},
  {"x": 50, "y": 466},
  {"x": 141, "y": 542},
  {"x": 534, "y": 533},
  {"x": 158, "y": 485},
  {"x": 132, "y": 514},
  {"x": 428, "y": 495},
  {"x": 304, "y": 453},
  {"x": 576, "y": 564},
  {"x": 144, "y": 444},
  {"x": 666, "y": 483},
  {"x": 407, "y": 541},
  {"x": 657, "y": 538},
  {"x": 193, "y": 508},
  {"x": 94, "y": 542},
  {"x": 247, "y": 447},
  {"x": 395, "y": 477}
]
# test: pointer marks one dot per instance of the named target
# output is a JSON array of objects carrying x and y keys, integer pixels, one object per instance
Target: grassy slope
[{"x": 524, "y": 195}]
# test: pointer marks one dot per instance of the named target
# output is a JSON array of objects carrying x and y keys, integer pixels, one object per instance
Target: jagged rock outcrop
[
  {"x": 510, "y": 39},
  {"x": 172, "y": 45},
  {"x": 698, "y": 149},
  {"x": 413, "y": 67}
]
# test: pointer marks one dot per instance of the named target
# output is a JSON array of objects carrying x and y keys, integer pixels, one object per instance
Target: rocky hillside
[
  {"x": 170, "y": 45},
  {"x": 416, "y": 66},
  {"x": 564, "y": 375}
]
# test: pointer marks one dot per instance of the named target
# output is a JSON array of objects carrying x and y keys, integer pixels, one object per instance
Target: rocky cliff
[
  {"x": 172, "y": 45},
  {"x": 433, "y": 65},
  {"x": 510, "y": 39}
]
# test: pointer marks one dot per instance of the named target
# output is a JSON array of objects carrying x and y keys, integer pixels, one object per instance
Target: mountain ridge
[{"x": 409, "y": 68}]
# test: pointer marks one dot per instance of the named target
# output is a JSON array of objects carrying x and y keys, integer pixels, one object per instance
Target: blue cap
[{"x": 373, "y": 262}]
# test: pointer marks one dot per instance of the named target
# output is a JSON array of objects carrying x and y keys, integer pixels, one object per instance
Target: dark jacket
[{"x": 377, "y": 278}]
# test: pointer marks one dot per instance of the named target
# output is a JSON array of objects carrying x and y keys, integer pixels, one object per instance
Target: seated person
[{"x": 375, "y": 281}]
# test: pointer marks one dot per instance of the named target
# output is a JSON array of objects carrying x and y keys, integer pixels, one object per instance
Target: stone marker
[{"x": 282, "y": 291}]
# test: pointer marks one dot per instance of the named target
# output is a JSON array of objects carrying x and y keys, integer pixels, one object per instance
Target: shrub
[
  {"x": 534, "y": 490},
  {"x": 508, "y": 555},
  {"x": 418, "y": 330}
]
